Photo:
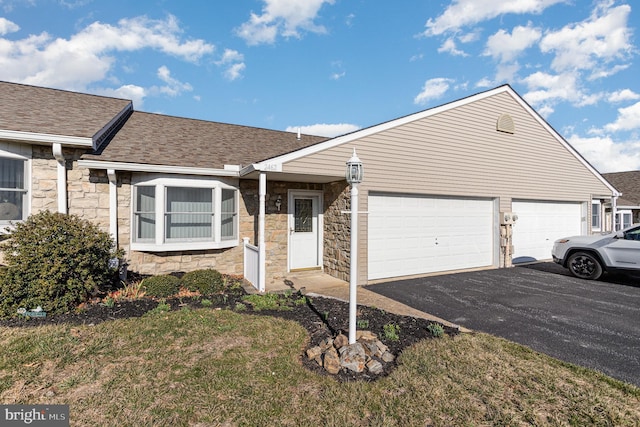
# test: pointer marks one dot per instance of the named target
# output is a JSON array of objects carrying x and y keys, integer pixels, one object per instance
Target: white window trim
[
  {"x": 620, "y": 218},
  {"x": 161, "y": 183},
  {"x": 18, "y": 152}
]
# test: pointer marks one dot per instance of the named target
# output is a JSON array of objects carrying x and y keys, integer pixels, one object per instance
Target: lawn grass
[{"x": 217, "y": 367}]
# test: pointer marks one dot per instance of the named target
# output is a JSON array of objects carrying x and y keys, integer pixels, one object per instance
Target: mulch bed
[{"x": 321, "y": 317}]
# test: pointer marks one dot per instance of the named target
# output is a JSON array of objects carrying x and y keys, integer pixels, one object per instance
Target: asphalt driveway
[{"x": 595, "y": 324}]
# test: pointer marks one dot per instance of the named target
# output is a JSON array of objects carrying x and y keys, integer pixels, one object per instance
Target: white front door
[{"x": 304, "y": 230}]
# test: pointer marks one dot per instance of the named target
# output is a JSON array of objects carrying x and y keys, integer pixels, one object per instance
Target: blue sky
[{"x": 334, "y": 66}]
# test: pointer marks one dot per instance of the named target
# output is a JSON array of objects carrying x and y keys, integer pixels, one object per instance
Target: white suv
[{"x": 587, "y": 257}]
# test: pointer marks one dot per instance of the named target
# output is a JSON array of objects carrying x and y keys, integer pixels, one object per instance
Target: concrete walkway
[{"x": 317, "y": 283}]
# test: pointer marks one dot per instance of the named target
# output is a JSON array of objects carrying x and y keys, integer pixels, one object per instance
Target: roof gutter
[
  {"x": 229, "y": 170},
  {"x": 261, "y": 167},
  {"x": 45, "y": 138}
]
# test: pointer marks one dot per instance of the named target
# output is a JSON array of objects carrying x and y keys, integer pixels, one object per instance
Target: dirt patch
[{"x": 321, "y": 317}]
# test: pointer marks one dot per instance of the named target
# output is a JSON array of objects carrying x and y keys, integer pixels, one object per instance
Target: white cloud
[
  {"x": 449, "y": 46},
  {"x": 286, "y": 18},
  {"x": 234, "y": 72},
  {"x": 607, "y": 71},
  {"x": 87, "y": 56},
  {"x": 606, "y": 155},
  {"x": 546, "y": 90},
  {"x": 324, "y": 129},
  {"x": 234, "y": 61},
  {"x": 628, "y": 119},
  {"x": 593, "y": 43},
  {"x": 132, "y": 92},
  {"x": 623, "y": 95},
  {"x": 7, "y": 27},
  {"x": 173, "y": 87},
  {"x": 506, "y": 47},
  {"x": 468, "y": 12},
  {"x": 433, "y": 89}
]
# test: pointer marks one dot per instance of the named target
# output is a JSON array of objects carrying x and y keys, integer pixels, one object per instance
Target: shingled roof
[
  {"x": 40, "y": 110},
  {"x": 628, "y": 183},
  {"x": 157, "y": 139}
]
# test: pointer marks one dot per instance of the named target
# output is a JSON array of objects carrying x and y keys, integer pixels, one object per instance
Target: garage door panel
[
  {"x": 429, "y": 234},
  {"x": 541, "y": 223}
]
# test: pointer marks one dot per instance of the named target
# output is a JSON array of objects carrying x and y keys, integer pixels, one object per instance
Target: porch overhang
[{"x": 275, "y": 173}]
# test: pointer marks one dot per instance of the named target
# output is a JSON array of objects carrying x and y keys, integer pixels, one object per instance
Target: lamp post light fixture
[{"x": 354, "y": 175}]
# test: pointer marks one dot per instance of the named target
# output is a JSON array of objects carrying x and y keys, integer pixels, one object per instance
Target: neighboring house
[
  {"x": 439, "y": 188},
  {"x": 628, "y": 204}
]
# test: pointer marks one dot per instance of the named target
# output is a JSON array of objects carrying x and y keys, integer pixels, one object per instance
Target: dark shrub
[
  {"x": 55, "y": 261},
  {"x": 160, "y": 286},
  {"x": 204, "y": 281}
]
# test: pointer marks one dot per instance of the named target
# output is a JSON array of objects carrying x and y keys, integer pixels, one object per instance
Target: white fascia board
[
  {"x": 268, "y": 166},
  {"x": 345, "y": 139},
  {"x": 45, "y": 138},
  {"x": 139, "y": 167}
]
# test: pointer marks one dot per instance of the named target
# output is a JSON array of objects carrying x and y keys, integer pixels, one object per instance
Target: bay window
[{"x": 184, "y": 214}]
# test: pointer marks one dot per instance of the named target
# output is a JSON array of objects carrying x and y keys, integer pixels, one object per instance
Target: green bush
[
  {"x": 161, "y": 286},
  {"x": 55, "y": 261},
  {"x": 436, "y": 330},
  {"x": 204, "y": 281}
]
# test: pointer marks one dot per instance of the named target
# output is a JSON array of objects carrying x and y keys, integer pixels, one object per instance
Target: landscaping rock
[
  {"x": 332, "y": 361},
  {"x": 375, "y": 367},
  {"x": 353, "y": 357},
  {"x": 388, "y": 357},
  {"x": 315, "y": 353},
  {"x": 340, "y": 341}
]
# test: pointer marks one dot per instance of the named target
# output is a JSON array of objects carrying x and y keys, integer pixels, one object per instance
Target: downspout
[
  {"x": 113, "y": 205},
  {"x": 62, "y": 177},
  {"x": 614, "y": 211},
  {"x": 262, "y": 249}
]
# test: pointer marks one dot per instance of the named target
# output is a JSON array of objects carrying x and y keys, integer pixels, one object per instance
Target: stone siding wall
[
  {"x": 337, "y": 230},
  {"x": 44, "y": 180},
  {"x": 276, "y": 222},
  {"x": 88, "y": 197}
]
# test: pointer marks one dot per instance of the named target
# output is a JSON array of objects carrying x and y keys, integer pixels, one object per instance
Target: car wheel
[{"x": 584, "y": 266}]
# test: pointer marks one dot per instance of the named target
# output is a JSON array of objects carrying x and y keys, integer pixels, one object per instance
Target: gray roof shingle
[
  {"x": 35, "y": 109},
  {"x": 157, "y": 139},
  {"x": 628, "y": 183}
]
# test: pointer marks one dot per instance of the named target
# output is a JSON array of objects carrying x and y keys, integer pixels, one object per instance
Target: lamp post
[{"x": 354, "y": 175}]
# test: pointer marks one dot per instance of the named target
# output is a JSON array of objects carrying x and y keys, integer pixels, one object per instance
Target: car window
[{"x": 633, "y": 234}]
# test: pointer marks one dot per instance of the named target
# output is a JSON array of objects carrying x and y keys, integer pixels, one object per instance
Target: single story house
[
  {"x": 628, "y": 204},
  {"x": 476, "y": 183}
]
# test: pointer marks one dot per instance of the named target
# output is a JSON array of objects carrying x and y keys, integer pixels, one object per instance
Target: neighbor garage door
[
  {"x": 411, "y": 235},
  {"x": 539, "y": 224}
]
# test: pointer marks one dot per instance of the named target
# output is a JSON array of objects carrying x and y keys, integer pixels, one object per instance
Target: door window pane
[
  {"x": 189, "y": 213},
  {"x": 303, "y": 216}
]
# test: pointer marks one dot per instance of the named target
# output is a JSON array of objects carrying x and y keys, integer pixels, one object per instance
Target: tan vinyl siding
[{"x": 460, "y": 152}]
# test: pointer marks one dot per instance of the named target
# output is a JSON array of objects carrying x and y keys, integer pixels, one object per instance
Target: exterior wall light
[{"x": 355, "y": 171}]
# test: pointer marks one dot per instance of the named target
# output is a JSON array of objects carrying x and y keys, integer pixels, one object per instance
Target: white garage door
[
  {"x": 414, "y": 235},
  {"x": 539, "y": 224}
]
